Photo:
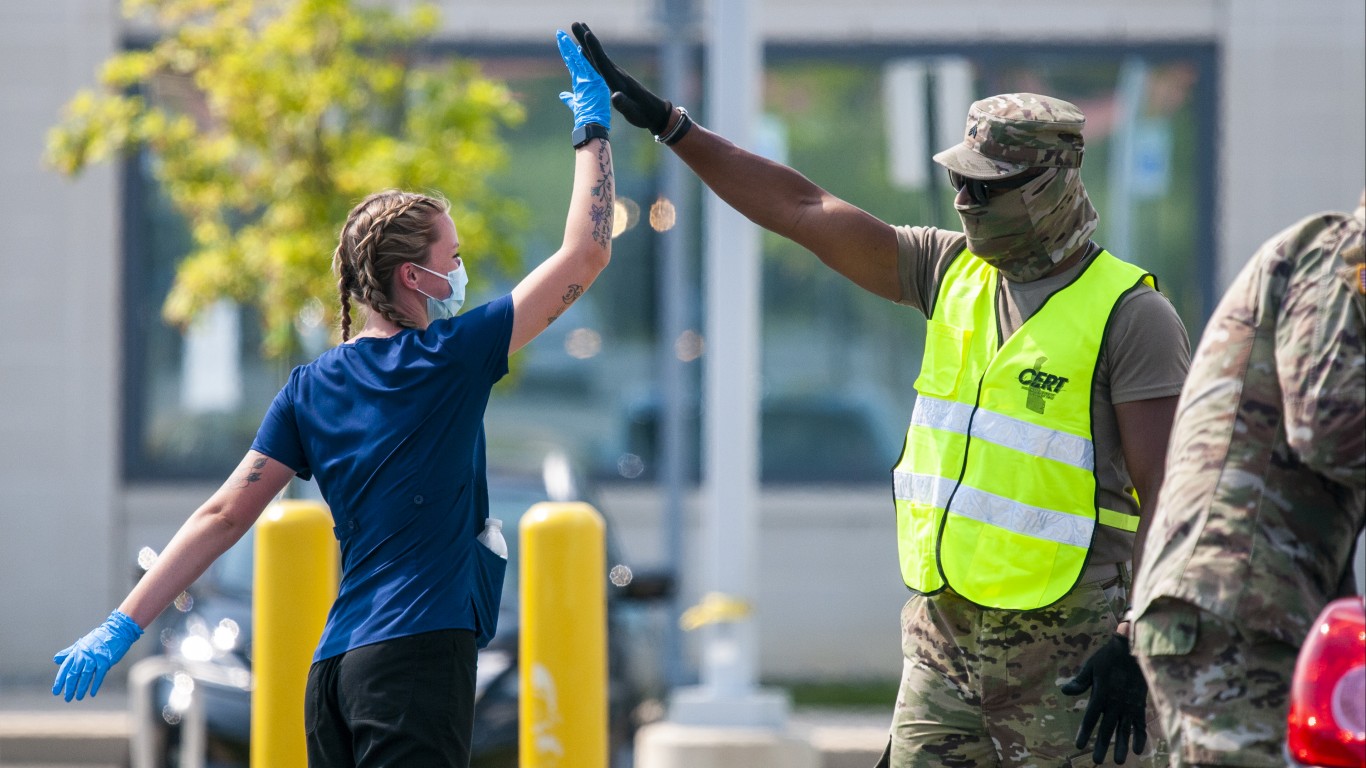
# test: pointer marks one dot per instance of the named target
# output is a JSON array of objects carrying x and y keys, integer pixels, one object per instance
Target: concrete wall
[
  {"x": 59, "y": 357},
  {"x": 1292, "y": 119}
]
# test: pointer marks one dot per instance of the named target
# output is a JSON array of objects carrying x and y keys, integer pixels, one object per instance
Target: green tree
[{"x": 268, "y": 119}]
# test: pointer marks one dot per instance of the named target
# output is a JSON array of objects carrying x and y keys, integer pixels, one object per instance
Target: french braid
[
  {"x": 345, "y": 281},
  {"x": 384, "y": 231}
]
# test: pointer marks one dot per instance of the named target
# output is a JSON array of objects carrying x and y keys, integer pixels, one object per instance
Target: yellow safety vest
[{"x": 996, "y": 487}]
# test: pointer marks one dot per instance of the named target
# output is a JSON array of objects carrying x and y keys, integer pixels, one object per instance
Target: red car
[{"x": 1327, "y": 721}]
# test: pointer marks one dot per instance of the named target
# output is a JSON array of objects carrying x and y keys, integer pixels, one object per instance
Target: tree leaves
[{"x": 269, "y": 119}]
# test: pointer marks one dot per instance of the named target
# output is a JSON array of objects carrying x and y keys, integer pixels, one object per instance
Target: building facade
[{"x": 1268, "y": 126}]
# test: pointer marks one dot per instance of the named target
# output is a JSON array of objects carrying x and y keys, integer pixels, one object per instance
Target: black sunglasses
[{"x": 980, "y": 191}]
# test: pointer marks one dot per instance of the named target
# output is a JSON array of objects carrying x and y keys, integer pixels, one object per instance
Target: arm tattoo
[
  {"x": 569, "y": 297},
  {"x": 603, "y": 190},
  {"x": 248, "y": 475},
  {"x": 602, "y": 223}
]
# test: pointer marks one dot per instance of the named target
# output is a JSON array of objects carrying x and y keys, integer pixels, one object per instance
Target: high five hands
[{"x": 634, "y": 101}]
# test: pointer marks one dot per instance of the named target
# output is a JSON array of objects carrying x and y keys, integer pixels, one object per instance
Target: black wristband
[
  {"x": 586, "y": 133},
  {"x": 680, "y": 129}
]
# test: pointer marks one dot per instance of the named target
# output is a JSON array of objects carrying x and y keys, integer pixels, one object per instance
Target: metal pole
[
  {"x": 1133, "y": 78},
  {"x": 727, "y": 694},
  {"x": 732, "y": 280},
  {"x": 194, "y": 732},
  {"x": 142, "y": 681},
  {"x": 676, "y": 300}
]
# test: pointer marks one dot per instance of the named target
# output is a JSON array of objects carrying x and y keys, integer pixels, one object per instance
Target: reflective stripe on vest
[{"x": 995, "y": 491}]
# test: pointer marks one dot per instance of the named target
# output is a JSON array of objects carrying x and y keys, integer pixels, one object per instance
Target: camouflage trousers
[
  {"x": 979, "y": 687},
  {"x": 1222, "y": 697}
]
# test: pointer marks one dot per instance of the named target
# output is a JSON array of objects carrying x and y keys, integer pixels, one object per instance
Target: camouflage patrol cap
[{"x": 1013, "y": 132}]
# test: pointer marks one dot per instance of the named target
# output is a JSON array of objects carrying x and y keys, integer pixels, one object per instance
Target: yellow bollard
[
  {"x": 563, "y": 643},
  {"x": 295, "y": 582}
]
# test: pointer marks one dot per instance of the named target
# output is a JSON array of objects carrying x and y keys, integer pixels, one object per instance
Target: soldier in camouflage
[
  {"x": 1265, "y": 495},
  {"x": 981, "y": 685}
]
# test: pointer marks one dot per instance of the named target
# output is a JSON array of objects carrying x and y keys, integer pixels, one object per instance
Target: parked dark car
[{"x": 204, "y": 655}]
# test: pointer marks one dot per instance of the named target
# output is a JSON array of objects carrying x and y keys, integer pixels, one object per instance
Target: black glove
[
  {"x": 1119, "y": 700},
  {"x": 634, "y": 101}
]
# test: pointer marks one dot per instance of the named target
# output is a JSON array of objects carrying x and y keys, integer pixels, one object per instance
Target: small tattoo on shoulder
[{"x": 248, "y": 475}]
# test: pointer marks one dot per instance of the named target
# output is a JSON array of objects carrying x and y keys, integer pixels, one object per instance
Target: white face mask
[{"x": 440, "y": 309}]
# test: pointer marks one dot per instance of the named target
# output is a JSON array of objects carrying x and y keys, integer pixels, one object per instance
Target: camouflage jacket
[{"x": 1265, "y": 488}]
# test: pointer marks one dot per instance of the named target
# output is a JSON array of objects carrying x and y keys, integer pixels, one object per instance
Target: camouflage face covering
[{"x": 1025, "y": 232}]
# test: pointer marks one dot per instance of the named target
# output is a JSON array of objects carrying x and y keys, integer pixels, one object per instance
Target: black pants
[{"x": 402, "y": 702}]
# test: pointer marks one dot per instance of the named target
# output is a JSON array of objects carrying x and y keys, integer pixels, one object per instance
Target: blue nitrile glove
[
  {"x": 86, "y": 661},
  {"x": 1119, "y": 700},
  {"x": 590, "y": 99}
]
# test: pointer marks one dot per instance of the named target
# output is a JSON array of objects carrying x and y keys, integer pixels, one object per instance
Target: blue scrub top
[{"x": 394, "y": 431}]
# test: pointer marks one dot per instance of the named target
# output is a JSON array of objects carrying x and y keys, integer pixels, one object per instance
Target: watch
[
  {"x": 583, "y": 134},
  {"x": 681, "y": 127}
]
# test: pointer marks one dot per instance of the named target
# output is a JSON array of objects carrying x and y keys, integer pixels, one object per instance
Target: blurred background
[{"x": 1211, "y": 126}]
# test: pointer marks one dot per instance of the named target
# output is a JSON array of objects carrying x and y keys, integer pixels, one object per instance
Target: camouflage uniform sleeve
[{"x": 1319, "y": 356}]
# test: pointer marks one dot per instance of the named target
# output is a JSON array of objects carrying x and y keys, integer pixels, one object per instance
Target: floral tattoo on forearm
[
  {"x": 600, "y": 213},
  {"x": 603, "y": 190}
]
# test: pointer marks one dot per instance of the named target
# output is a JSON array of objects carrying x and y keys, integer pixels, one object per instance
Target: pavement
[
  {"x": 39, "y": 730},
  {"x": 844, "y": 738}
]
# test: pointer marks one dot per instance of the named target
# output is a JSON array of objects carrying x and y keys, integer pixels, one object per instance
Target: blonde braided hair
[{"x": 383, "y": 232}]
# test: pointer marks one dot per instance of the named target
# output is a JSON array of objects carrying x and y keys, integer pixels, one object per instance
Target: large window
[
  {"x": 838, "y": 363},
  {"x": 193, "y": 398}
]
